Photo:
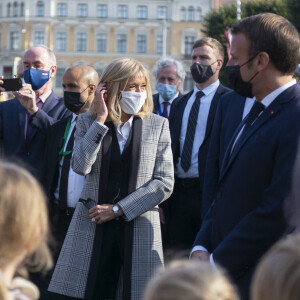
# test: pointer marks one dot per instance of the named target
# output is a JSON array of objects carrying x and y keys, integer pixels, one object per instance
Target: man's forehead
[{"x": 36, "y": 55}]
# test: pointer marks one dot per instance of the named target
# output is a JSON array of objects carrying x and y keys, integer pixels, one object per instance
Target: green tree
[
  {"x": 294, "y": 12},
  {"x": 218, "y": 21}
]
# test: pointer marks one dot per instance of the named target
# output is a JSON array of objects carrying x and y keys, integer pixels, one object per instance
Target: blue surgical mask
[
  {"x": 37, "y": 78},
  {"x": 167, "y": 91}
]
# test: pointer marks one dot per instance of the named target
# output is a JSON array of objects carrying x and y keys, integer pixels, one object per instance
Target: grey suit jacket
[{"x": 155, "y": 181}]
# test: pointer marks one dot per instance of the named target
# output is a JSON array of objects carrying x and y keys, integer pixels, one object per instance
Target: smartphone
[{"x": 12, "y": 84}]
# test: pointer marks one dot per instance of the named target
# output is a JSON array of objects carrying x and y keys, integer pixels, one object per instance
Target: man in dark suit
[
  {"x": 62, "y": 185},
  {"x": 191, "y": 120},
  {"x": 231, "y": 110},
  {"x": 25, "y": 119},
  {"x": 246, "y": 216},
  {"x": 169, "y": 75}
]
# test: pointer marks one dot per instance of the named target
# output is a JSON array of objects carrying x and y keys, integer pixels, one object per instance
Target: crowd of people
[{"x": 131, "y": 180}]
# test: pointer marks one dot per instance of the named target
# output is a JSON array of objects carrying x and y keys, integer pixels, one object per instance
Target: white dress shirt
[
  {"x": 205, "y": 103},
  {"x": 75, "y": 181},
  {"x": 161, "y": 105},
  {"x": 266, "y": 101}
]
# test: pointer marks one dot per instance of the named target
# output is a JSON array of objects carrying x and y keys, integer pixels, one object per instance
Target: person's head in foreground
[
  {"x": 277, "y": 276},
  {"x": 190, "y": 280},
  {"x": 23, "y": 230}
]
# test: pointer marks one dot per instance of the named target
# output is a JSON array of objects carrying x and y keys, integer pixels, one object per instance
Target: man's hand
[
  {"x": 103, "y": 213},
  {"x": 27, "y": 98},
  {"x": 200, "y": 255}
]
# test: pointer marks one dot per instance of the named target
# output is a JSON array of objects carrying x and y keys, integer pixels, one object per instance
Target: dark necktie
[
  {"x": 64, "y": 176},
  {"x": 190, "y": 133},
  {"x": 165, "y": 111},
  {"x": 39, "y": 104},
  {"x": 256, "y": 109}
]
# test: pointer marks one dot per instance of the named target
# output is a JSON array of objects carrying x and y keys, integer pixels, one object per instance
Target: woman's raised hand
[{"x": 100, "y": 102}]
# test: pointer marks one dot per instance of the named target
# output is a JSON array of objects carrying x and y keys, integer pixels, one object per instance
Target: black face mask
[
  {"x": 243, "y": 88},
  {"x": 72, "y": 101},
  {"x": 201, "y": 73}
]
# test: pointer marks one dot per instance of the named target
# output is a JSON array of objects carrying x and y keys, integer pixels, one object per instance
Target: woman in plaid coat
[{"x": 113, "y": 245}]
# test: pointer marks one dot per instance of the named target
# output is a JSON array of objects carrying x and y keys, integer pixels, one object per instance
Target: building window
[
  {"x": 101, "y": 42},
  {"x": 61, "y": 9},
  {"x": 162, "y": 12},
  {"x": 39, "y": 37},
  {"x": 159, "y": 44},
  {"x": 122, "y": 43},
  {"x": 142, "y": 12},
  {"x": 58, "y": 76},
  {"x": 198, "y": 14},
  {"x": 81, "y": 39},
  {"x": 141, "y": 43},
  {"x": 122, "y": 11},
  {"x": 9, "y": 10},
  {"x": 191, "y": 14},
  {"x": 22, "y": 9},
  {"x": 82, "y": 10},
  {"x": 102, "y": 11},
  {"x": 188, "y": 82},
  {"x": 61, "y": 41},
  {"x": 40, "y": 9},
  {"x": 15, "y": 9},
  {"x": 182, "y": 14},
  {"x": 14, "y": 43},
  {"x": 188, "y": 45}
]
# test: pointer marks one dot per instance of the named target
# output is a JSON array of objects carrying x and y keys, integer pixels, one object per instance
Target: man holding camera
[{"x": 25, "y": 119}]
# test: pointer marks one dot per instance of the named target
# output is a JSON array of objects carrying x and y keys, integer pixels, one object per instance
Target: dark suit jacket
[
  {"x": 175, "y": 119},
  {"x": 246, "y": 217},
  {"x": 13, "y": 127},
  {"x": 228, "y": 117},
  {"x": 55, "y": 139},
  {"x": 156, "y": 102}
]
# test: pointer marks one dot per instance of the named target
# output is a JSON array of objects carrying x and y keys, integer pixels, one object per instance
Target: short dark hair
[
  {"x": 213, "y": 43},
  {"x": 274, "y": 35}
]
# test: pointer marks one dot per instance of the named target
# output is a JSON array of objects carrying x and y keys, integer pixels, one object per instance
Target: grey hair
[
  {"x": 52, "y": 57},
  {"x": 166, "y": 62}
]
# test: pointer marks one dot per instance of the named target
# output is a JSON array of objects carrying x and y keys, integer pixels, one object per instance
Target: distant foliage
[{"x": 216, "y": 22}]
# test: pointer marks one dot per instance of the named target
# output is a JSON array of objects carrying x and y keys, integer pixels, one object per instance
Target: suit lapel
[
  {"x": 136, "y": 153},
  {"x": 105, "y": 161},
  {"x": 267, "y": 114},
  {"x": 22, "y": 120}
]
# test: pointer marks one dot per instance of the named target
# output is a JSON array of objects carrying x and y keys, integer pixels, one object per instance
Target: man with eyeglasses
[{"x": 25, "y": 119}]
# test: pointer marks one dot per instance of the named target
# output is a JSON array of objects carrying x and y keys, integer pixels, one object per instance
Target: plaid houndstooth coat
[{"x": 154, "y": 184}]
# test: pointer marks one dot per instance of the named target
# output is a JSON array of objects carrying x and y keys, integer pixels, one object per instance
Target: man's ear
[
  {"x": 53, "y": 71},
  {"x": 219, "y": 64},
  {"x": 92, "y": 89},
  {"x": 262, "y": 61}
]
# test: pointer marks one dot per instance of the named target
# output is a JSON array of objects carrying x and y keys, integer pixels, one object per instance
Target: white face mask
[{"x": 132, "y": 102}]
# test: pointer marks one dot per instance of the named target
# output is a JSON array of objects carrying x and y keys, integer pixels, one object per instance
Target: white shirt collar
[
  {"x": 272, "y": 96},
  {"x": 209, "y": 89}
]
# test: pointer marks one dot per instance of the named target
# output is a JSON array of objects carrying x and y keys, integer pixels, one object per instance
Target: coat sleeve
[
  {"x": 160, "y": 187},
  {"x": 87, "y": 145}
]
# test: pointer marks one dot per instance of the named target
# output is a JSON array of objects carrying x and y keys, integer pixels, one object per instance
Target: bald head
[
  {"x": 84, "y": 73},
  {"x": 81, "y": 79}
]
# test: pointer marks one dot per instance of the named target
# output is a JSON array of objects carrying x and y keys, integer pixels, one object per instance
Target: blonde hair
[
  {"x": 277, "y": 276},
  {"x": 23, "y": 220},
  {"x": 116, "y": 76},
  {"x": 190, "y": 280}
]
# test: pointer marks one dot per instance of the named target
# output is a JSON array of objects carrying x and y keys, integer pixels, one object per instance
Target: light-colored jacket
[{"x": 155, "y": 179}]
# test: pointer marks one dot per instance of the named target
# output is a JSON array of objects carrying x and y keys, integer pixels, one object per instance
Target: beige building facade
[{"x": 96, "y": 32}]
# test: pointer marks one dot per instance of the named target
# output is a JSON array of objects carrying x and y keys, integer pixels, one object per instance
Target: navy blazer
[
  {"x": 247, "y": 216},
  {"x": 156, "y": 102},
  {"x": 175, "y": 119},
  {"x": 13, "y": 127},
  {"x": 228, "y": 116}
]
